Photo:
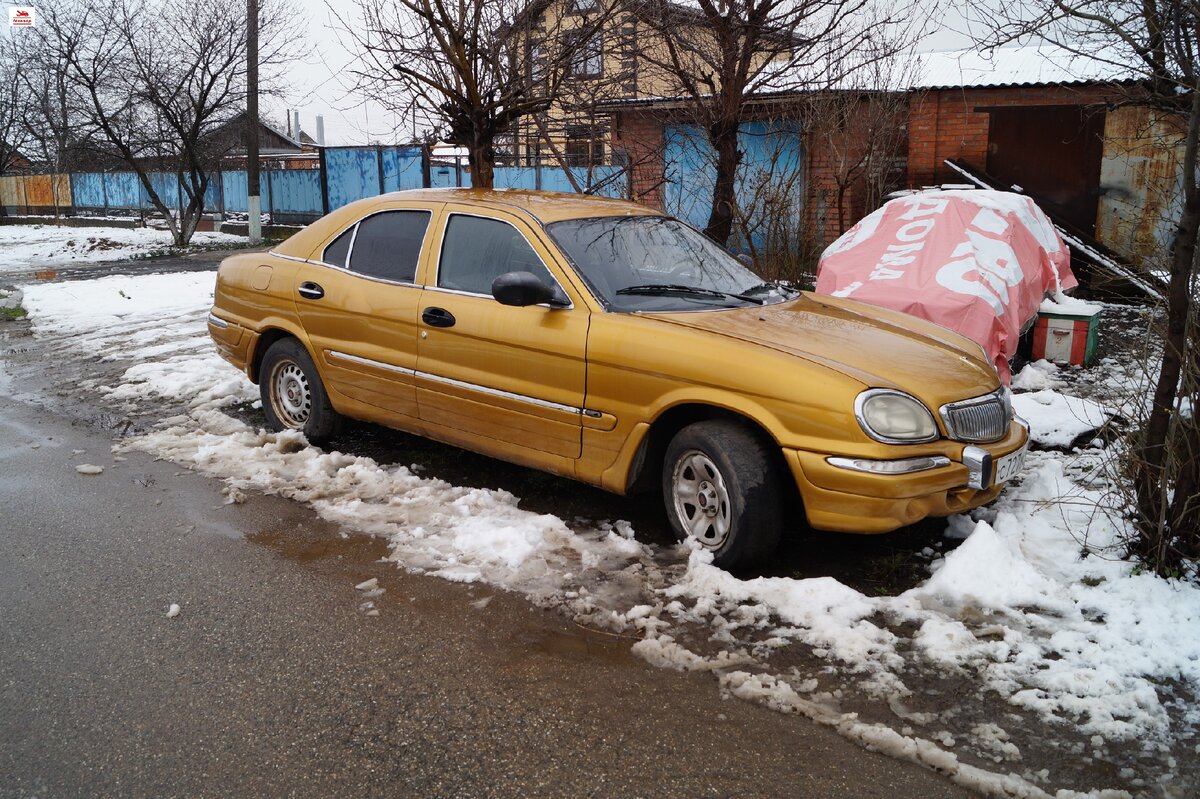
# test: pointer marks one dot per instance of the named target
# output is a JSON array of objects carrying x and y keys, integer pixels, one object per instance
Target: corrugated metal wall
[
  {"x": 1141, "y": 185},
  {"x": 36, "y": 191},
  {"x": 291, "y": 191}
]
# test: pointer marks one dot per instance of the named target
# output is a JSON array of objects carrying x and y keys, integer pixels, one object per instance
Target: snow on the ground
[
  {"x": 26, "y": 247},
  {"x": 1055, "y": 420},
  {"x": 159, "y": 320},
  {"x": 1033, "y": 660},
  {"x": 1036, "y": 376}
]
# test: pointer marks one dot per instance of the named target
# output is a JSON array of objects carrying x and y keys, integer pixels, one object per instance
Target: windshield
[{"x": 654, "y": 263}]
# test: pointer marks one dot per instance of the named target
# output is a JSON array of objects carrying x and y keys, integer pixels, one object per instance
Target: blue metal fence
[
  {"x": 346, "y": 174},
  {"x": 293, "y": 191}
]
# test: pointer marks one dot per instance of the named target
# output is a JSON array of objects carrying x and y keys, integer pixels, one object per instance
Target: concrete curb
[{"x": 70, "y": 221}]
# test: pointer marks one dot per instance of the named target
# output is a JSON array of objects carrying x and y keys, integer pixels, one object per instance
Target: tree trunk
[
  {"x": 482, "y": 159},
  {"x": 841, "y": 208},
  {"x": 724, "y": 139}
]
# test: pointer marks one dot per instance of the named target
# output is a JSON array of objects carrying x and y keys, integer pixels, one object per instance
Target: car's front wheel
[
  {"x": 293, "y": 397},
  {"x": 722, "y": 489}
]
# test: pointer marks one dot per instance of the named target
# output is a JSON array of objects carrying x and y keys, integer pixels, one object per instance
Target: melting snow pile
[
  {"x": 1032, "y": 649},
  {"x": 1056, "y": 420},
  {"x": 26, "y": 247}
]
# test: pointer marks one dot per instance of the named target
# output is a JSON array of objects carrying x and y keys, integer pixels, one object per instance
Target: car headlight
[{"x": 894, "y": 417}]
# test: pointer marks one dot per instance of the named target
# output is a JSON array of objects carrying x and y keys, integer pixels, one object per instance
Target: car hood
[{"x": 876, "y": 346}]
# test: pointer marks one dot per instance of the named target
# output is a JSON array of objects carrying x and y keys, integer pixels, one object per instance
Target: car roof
[{"x": 544, "y": 206}]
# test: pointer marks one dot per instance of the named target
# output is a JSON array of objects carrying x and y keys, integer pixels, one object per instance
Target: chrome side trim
[
  {"x": 457, "y": 292},
  {"x": 350, "y": 249},
  {"x": 344, "y": 270},
  {"x": 496, "y": 392},
  {"x": 293, "y": 258},
  {"x": 342, "y": 356},
  {"x": 217, "y": 321}
]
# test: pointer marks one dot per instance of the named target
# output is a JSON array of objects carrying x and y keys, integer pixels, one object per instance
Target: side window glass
[
  {"x": 388, "y": 245},
  {"x": 476, "y": 251},
  {"x": 338, "y": 249}
]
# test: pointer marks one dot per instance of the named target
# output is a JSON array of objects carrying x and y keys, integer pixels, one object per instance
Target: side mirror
[{"x": 521, "y": 289}]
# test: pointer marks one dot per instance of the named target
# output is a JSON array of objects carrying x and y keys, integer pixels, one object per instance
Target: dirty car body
[{"x": 599, "y": 340}]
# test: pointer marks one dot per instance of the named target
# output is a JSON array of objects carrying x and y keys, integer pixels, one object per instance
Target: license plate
[{"x": 1009, "y": 466}]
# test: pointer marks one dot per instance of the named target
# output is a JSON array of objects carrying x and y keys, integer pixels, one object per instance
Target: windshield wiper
[
  {"x": 764, "y": 287},
  {"x": 667, "y": 289}
]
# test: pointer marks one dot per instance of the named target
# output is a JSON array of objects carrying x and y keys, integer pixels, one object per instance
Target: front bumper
[{"x": 853, "y": 501}]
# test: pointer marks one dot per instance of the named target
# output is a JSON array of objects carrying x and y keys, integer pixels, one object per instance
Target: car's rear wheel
[
  {"x": 722, "y": 489},
  {"x": 293, "y": 397}
]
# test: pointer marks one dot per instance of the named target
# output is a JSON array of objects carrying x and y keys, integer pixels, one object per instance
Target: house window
[
  {"x": 584, "y": 6},
  {"x": 587, "y": 51},
  {"x": 536, "y": 62},
  {"x": 585, "y": 146}
]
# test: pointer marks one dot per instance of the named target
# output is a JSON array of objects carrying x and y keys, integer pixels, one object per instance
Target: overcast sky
[{"x": 319, "y": 84}]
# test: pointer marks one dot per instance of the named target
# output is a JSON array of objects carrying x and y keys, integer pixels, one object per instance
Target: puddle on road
[
  {"x": 579, "y": 644},
  {"x": 302, "y": 545},
  {"x": 537, "y": 634}
]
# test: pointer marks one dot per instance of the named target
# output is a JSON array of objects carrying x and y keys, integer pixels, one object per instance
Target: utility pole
[{"x": 254, "y": 200}]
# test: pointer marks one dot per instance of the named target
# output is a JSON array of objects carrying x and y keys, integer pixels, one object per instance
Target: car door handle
[
  {"x": 437, "y": 317},
  {"x": 311, "y": 291}
]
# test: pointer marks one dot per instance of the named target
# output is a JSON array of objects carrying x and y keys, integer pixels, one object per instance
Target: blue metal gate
[{"x": 770, "y": 178}]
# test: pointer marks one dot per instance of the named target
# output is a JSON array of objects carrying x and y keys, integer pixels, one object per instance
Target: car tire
[
  {"x": 293, "y": 397},
  {"x": 722, "y": 488}
]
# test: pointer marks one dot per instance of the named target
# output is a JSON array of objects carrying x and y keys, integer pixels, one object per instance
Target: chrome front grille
[{"x": 978, "y": 420}]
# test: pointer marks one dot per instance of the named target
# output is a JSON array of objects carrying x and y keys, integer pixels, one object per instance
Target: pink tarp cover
[{"x": 977, "y": 262}]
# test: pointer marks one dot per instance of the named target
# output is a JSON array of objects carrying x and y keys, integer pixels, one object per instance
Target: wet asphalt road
[{"x": 272, "y": 681}]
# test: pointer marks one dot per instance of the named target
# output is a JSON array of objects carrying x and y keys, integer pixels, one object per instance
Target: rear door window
[
  {"x": 337, "y": 251},
  {"x": 388, "y": 245}
]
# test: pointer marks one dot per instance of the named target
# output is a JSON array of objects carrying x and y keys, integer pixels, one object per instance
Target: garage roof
[{"x": 1030, "y": 65}]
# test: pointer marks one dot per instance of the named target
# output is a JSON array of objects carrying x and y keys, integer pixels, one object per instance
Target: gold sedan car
[{"x": 600, "y": 340}]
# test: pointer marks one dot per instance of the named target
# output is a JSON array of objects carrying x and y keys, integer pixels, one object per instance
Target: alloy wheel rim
[
  {"x": 701, "y": 499},
  {"x": 291, "y": 397}
]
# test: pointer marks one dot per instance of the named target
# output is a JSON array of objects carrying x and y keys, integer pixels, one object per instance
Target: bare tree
[
  {"x": 151, "y": 80},
  {"x": 1158, "y": 41},
  {"x": 722, "y": 54},
  {"x": 769, "y": 215},
  {"x": 13, "y": 103},
  {"x": 859, "y": 135},
  {"x": 55, "y": 132},
  {"x": 470, "y": 68}
]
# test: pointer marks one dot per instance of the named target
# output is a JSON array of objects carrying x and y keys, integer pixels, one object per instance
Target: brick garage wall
[
  {"x": 639, "y": 133},
  {"x": 948, "y": 123},
  {"x": 828, "y": 150}
]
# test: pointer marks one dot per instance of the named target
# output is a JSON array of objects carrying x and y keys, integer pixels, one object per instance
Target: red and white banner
[{"x": 977, "y": 262}]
